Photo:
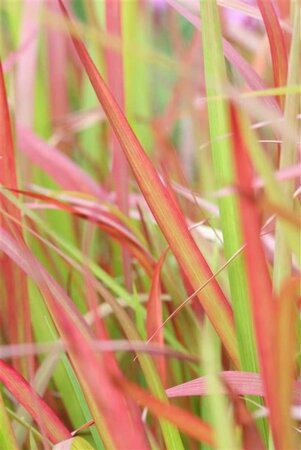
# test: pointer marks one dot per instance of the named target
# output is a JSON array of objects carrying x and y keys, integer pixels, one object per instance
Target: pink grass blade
[
  {"x": 242, "y": 383},
  {"x": 27, "y": 63},
  {"x": 58, "y": 166},
  {"x": 94, "y": 377},
  {"x": 57, "y": 48},
  {"x": 115, "y": 82},
  {"x": 260, "y": 286},
  {"x": 167, "y": 213},
  {"x": 276, "y": 40},
  {"x": 154, "y": 317},
  {"x": 53, "y": 427}
]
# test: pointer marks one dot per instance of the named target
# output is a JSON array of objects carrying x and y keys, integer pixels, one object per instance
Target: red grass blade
[
  {"x": 185, "y": 421},
  {"x": 276, "y": 40},
  {"x": 96, "y": 378},
  {"x": 52, "y": 426},
  {"x": 166, "y": 211},
  {"x": 15, "y": 304},
  {"x": 260, "y": 286}
]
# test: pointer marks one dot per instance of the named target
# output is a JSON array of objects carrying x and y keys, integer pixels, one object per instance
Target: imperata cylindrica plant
[{"x": 150, "y": 224}]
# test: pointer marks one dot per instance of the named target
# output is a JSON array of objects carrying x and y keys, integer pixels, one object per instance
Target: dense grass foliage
[{"x": 150, "y": 224}]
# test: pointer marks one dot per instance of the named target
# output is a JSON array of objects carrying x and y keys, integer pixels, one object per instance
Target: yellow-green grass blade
[
  {"x": 220, "y": 414},
  {"x": 218, "y": 112},
  {"x": 7, "y": 438},
  {"x": 135, "y": 28}
]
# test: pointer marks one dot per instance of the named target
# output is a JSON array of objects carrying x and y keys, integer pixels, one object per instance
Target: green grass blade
[
  {"x": 7, "y": 438},
  {"x": 216, "y": 79}
]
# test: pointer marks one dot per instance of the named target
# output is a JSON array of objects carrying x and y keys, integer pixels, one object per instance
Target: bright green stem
[{"x": 218, "y": 112}]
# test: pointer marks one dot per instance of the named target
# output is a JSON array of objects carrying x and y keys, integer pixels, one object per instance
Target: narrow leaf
[
  {"x": 185, "y": 421},
  {"x": 54, "y": 429},
  {"x": 259, "y": 281},
  {"x": 167, "y": 213},
  {"x": 7, "y": 438},
  {"x": 276, "y": 40},
  {"x": 154, "y": 317},
  {"x": 89, "y": 367},
  {"x": 242, "y": 383}
]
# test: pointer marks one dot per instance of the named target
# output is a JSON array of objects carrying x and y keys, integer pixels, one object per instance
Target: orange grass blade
[
  {"x": 154, "y": 317},
  {"x": 164, "y": 208},
  {"x": 185, "y": 421},
  {"x": 52, "y": 426},
  {"x": 287, "y": 349}
]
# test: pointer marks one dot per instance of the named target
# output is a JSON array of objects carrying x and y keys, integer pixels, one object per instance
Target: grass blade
[
  {"x": 276, "y": 40},
  {"x": 15, "y": 304},
  {"x": 218, "y": 114},
  {"x": 7, "y": 438},
  {"x": 166, "y": 211},
  {"x": 154, "y": 316},
  {"x": 260, "y": 286},
  {"x": 185, "y": 421},
  {"x": 54, "y": 429},
  {"x": 88, "y": 366},
  {"x": 288, "y": 156},
  {"x": 287, "y": 348}
]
